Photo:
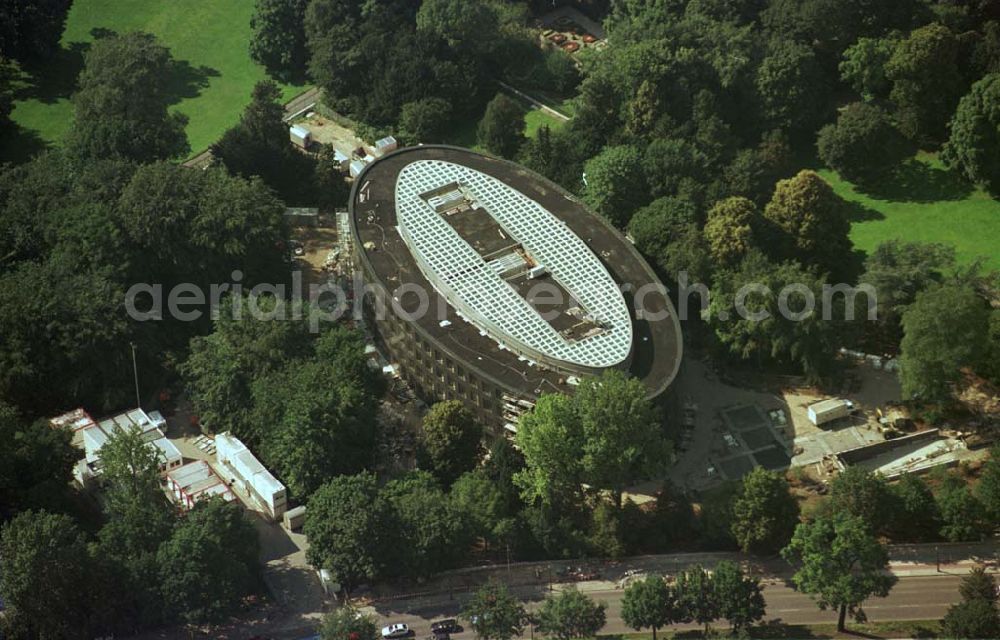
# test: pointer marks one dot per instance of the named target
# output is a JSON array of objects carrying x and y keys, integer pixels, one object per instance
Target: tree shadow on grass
[
  {"x": 916, "y": 181},
  {"x": 18, "y": 145},
  {"x": 187, "y": 81},
  {"x": 857, "y": 212},
  {"x": 54, "y": 79}
]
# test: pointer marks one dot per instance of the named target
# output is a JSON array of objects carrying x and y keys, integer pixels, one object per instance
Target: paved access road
[{"x": 913, "y": 598}]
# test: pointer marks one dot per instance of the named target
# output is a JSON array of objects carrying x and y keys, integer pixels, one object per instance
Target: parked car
[
  {"x": 449, "y": 625},
  {"x": 397, "y": 630}
]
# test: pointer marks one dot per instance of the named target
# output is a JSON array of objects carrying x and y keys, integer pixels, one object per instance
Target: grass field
[
  {"x": 924, "y": 202},
  {"x": 211, "y": 84}
]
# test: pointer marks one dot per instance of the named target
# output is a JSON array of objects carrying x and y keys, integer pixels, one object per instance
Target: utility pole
[{"x": 135, "y": 375}]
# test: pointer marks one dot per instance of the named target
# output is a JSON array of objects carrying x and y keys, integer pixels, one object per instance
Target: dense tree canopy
[
  {"x": 607, "y": 435},
  {"x": 35, "y": 465},
  {"x": 927, "y": 81},
  {"x": 279, "y": 38},
  {"x": 974, "y": 145},
  {"x": 765, "y": 514},
  {"x": 45, "y": 562},
  {"x": 649, "y": 603},
  {"x": 494, "y": 613},
  {"x": 120, "y": 107},
  {"x": 501, "y": 130},
  {"x": 31, "y": 29},
  {"x": 209, "y": 564},
  {"x": 944, "y": 329},
  {"x": 450, "y": 440},
  {"x": 863, "y": 144},
  {"x": 812, "y": 224},
  {"x": 570, "y": 614}
]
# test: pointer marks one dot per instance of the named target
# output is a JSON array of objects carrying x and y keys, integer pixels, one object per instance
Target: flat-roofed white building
[
  {"x": 91, "y": 436},
  {"x": 196, "y": 481},
  {"x": 254, "y": 478}
]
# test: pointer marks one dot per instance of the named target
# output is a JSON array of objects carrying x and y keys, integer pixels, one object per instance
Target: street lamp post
[{"x": 135, "y": 375}]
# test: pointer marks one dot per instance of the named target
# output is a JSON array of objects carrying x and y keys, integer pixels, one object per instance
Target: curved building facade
[{"x": 488, "y": 284}]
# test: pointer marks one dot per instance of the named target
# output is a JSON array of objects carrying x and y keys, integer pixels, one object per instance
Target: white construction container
[
  {"x": 829, "y": 410},
  {"x": 253, "y": 477},
  {"x": 300, "y": 136}
]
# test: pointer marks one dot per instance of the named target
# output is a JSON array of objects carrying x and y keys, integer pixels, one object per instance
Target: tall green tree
[
  {"x": 346, "y": 523},
  {"x": 858, "y": 492},
  {"x": 915, "y": 513},
  {"x": 615, "y": 184},
  {"x": 501, "y": 130},
  {"x": 494, "y": 614},
  {"x": 425, "y": 121},
  {"x": 898, "y": 271},
  {"x": 738, "y": 596},
  {"x": 484, "y": 506},
  {"x": 667, "y": 232},
  {"x": 649, "y": 603},
  {"x": 31, "y": 29},
  {"x": 120, "y": 107},
  {"x": 765, "y": 513},
  {"x": 279, "y": 38},
  {"x": 139, "y": 519},
  {"x": 863, "y": 145},
  {"x": 762, "y": 311},
  {"x": 623, "y": 436},
  {"x": 729, "y": 229},
  {"x": 696, "y": 596},
  {"x": 978, "y": 585},
  {"x": 841, "y": 564},
  {"x": 427, "y": 535},
  {"x": 45, "y": 563},
  {"x": 944, "y": 329},
  {"x": 811, "y": 222},
  {"x": 450, "y": 440},
  {"x": 258, "y": 146},
  {"x": 36, "y": 464},
  {"x": 793, "y": 88},
  {"x": 926, "y": 79},
  {"x": 347, "y": 622},
  {"x": 571, "y": 614},
  {"x": 863, "y": 67},
  {"x": 963, "y": 517},
  {"x": 971, "y": 619},
  {"x": 988, "y": 489},
  {"x": 974, "y": 145},
  {"x": 210, "y": 563}
]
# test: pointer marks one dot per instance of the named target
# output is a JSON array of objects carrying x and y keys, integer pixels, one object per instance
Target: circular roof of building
[{"x": 493, "y": 253}]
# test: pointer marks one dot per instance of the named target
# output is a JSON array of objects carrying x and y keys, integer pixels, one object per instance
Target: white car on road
[{"x": 398, "y": 630}]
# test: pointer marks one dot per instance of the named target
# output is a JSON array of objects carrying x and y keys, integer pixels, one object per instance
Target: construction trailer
[
  {"x": 385, "y": 145},
  {"x": 91, "y": 436},
  {"x": 300, "y": 136},
  {"x": 195, "y": 481},
  {"x": 829, "y": 410},
  {"x": 252, "y": 476}
]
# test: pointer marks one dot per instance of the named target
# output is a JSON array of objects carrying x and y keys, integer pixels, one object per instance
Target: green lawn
[
  {"x": 924, "y": 202},
  {"x": 211, "y": 84}
]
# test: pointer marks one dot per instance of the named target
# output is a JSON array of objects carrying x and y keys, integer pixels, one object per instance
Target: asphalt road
[{"x": 913, "y": 598}]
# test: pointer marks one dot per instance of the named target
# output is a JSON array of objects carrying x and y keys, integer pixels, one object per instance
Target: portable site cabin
[
  {"x": 253, "y": 477},
  {"x": 295, "y": 518},
  {"x": 300, "y": 136},
  {"x": 91, "y": 435},
  {"x": 385, "y": 145},
  {"x": 342, "y": 159},
  {"x": 829, "y": 410},
  {"x": 357, "y": 166},
  {"x": 196, "y": 481}
]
